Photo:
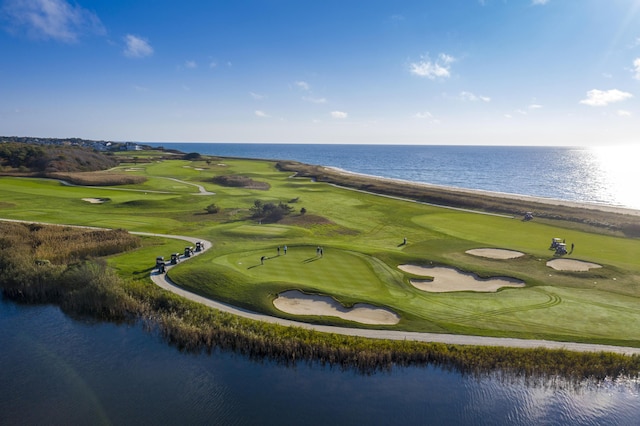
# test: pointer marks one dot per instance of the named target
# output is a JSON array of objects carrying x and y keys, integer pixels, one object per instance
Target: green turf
[{"x": 361, "y": 236}]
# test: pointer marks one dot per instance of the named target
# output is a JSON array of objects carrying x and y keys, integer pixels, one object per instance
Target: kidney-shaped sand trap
[
  {"x": 297, "y": 303},
  {"x": 95, "y": 200},
  {"x": 449, "y": 279},
  {"x": 571, "y": 265},
  {"x": 492, "y": 253}
]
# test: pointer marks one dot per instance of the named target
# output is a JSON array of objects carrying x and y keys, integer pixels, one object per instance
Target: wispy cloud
[
  {"x": 426, "y": 116},
  {"x": 623, "y": 113},
  {"x": 636, "y": 69},
  {"x": 257, "y": 96},
  {"x": 468, "y": 96},
  {"x": 191, "y": 64},
  {"x": 539, "y": 2},
  {"x": 605, "y": 97},
  {"x": 439, "y": 68},
  {"x": 535, "y": 106},
  {"x": 302, "y": 85},
  {"x": 50, "y": 19},
  {"x": 314, "y": 100},
  {"x": 137, "y": 47},
  {"x": 340, "y": 115},
  {"x": 261, "y": 114}
]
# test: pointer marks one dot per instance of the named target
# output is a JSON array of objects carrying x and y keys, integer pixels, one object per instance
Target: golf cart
[{"x": 160, "y": 264}]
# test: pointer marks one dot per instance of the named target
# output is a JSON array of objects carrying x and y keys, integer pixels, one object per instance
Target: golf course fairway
[{"x": 349, "y": 246}]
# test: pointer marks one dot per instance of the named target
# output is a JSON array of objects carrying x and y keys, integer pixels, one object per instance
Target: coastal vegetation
[{"x": 362, "y": 237}]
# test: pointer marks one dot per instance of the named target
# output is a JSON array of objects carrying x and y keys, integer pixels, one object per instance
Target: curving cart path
[{"x": 163, "y": 281}]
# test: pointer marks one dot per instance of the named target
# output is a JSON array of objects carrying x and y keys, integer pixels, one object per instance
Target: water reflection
[
  {"x": 617, "y": 168},
  {"x": 60, "y": 371}
]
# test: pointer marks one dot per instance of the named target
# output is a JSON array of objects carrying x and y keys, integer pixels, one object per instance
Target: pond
[{"x": 57, "y": 370}]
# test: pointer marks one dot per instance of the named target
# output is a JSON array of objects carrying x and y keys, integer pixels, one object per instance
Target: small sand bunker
[
  {"x": 571, "y": 265},
  {"x": 133, "y": 169},
  {"x": 297, "y": 303},
  {"x": 449, "y": 279},
  {"x": 95, "y": 200},
  {"x": 491, "y": 253}
]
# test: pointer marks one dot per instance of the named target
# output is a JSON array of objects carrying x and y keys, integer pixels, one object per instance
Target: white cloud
[
  {"x": 51, "y": 19},
  {"x": 605, "y": 97},
  {"x": 137, "y": 47},
  {"x": 339, "y": 115},
  {"x": 623, "y": 113},
  {"x": 302, "y": 85},
  {"x": 539, "y": 2},
  {"x": 261, "y": 114},
  {"x": 213, "y": 64},
  {"x": 426, "y": 116},
  {"x": 423, "y": 115},
  {"x": 315, "y": 100},
  {"x": 257, "y": 96},
  {"x": 468, "y": 96},
  {"x": 535, "y": 106},
  {"x": 636, "y": 68},
  {"x": 432, "y": 69},
  {"x": 190, "y": 64}
]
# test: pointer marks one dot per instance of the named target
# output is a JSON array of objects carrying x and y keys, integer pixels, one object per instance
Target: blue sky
[{"x": 509, "y": 72}]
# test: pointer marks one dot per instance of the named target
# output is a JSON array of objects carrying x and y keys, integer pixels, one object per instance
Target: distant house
[{"x": 131, "y": 146}]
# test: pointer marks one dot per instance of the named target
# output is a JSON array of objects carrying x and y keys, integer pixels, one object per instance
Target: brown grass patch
[
  {"x": 97, "y": 178},
  {"x": 240, "y": 182}
]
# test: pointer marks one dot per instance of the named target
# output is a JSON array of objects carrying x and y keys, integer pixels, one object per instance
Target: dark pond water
[{"x": 58, "y": 371}]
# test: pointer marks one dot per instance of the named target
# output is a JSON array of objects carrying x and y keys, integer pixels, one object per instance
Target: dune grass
[{"x": 362, "y": 239}]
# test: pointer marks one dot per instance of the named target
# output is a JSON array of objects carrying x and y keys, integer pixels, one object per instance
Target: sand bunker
[
  {"x": 95, "y": 200},
  {"x": 449, "y": 279},
  {"x": 297, "y": 303},
  {"x": 491, "y": 253},
  {"x": 571, "y": 265}
]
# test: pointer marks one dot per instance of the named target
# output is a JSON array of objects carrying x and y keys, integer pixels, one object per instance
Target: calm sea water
[
  {"x": 603, "y": 175},
  {"x": 59, "y": 371}
]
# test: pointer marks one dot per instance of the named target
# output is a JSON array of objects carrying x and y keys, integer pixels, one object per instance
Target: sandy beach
[{"x": 506, "y": 196}]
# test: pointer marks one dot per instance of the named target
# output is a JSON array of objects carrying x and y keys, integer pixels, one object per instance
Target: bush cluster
[{"x": 270, "y": 212}]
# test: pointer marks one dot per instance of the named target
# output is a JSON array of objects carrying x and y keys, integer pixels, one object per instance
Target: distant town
[{"x": 85, "y": 143}]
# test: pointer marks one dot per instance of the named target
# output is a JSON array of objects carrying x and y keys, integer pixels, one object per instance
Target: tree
[
  {"x": 270, "y": 212},
  {"x": 192, "y": 156},
  {"x": 212, "y": 209}
]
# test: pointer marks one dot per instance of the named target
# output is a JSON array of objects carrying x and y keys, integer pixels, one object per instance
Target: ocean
[{"x": 596, "y": 175}]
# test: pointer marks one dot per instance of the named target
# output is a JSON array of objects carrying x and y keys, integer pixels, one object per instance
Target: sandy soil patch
[
  {"x": 491, "y": 253},
  {"x": 572, "y": 265},
  {"x": 95, "y": 200},
  {"x": 297, "y": 303},
  {"x": 449, "y": 279}
]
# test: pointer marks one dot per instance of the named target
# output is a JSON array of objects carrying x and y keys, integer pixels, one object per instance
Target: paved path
[
  {"x": 163, "y": 281},
  {"x": 202, "y": 189}
]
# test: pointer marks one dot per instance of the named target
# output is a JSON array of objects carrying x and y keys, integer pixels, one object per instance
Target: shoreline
[{"x": 607, "y": 208}]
